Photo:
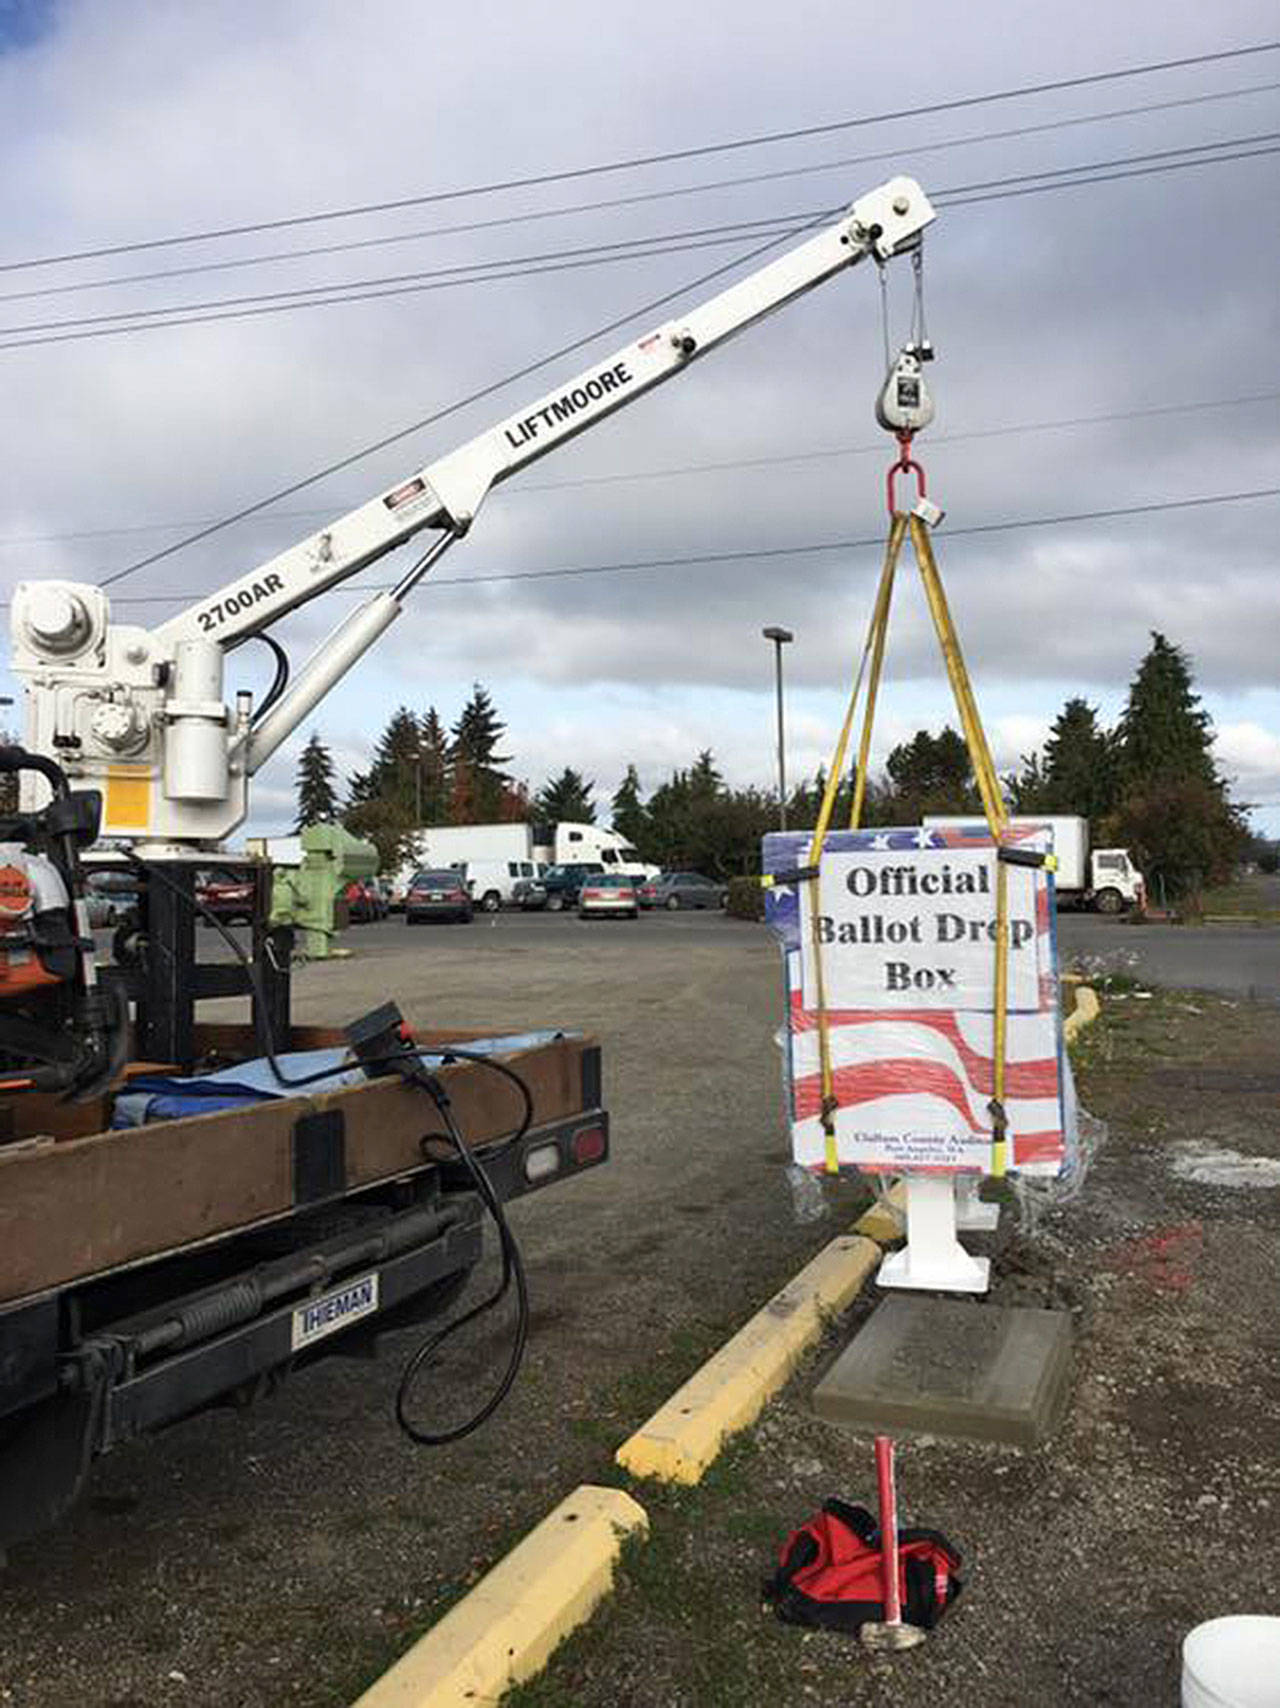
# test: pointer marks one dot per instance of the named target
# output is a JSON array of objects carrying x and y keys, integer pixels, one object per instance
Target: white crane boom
[{"x": 140, "y": 713}]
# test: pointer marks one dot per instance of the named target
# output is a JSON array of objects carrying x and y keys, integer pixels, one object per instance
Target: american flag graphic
[{"x": 912, "y": 1084}]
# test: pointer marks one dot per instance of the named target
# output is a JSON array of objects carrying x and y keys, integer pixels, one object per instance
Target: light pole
[{"x": 780, "y": 637}]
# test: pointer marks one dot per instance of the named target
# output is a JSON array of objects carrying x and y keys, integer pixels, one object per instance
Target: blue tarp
[{"x": 162, "y": 1097}]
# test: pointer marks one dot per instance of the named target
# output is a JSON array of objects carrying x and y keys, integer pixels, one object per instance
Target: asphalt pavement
[
  {"x": 1231, "y": 960},
  {"x": 286, "y": 1552}
]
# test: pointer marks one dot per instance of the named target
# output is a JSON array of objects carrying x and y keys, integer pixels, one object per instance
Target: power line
[
  {"x": 757, "y": 554},
  {"x": 718, "y": 466},
  {"x": 1004, "y": 187},
  {"x": 435, "y": 416},
  {"x": 514, "y": 263},
  {"x": 438, "y": 415},
  {"x": 491, "y": 272},
  {"x": 521, "y": 263},
  {"x": 761, "y": 139},
  {"x": 612, "y": 202}
]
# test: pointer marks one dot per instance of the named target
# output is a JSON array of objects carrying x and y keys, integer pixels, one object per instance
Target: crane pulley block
[{"x": 905, "y": 404}]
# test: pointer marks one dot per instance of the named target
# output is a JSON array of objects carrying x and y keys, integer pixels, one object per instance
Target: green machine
[{"x": 309, "y": 896}]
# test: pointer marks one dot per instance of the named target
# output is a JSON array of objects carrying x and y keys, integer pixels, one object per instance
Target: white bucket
[{"x": 1232, "y": 1663}]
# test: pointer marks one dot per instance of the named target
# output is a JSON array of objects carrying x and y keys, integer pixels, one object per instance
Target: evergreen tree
[
  {"x": 931, "y": 774},
  {"x": 1183, "y": 833},
  {"x": 387, "y": 824},
  {"x": 1027, "y": 788},
  {"x": 317, "y": 797},
  {"x": 565, "y": 798},
  {"x": 628, "y": 812},
  {"x": 397, "y": 763},
  {"x": 1165, "y": 734},
  {"x": 705, "y": 782},
  {"x": 1079, "y": 764},
  {"x": 476, "y": 737},
  {"x": 433, "y": 760},
  {"x": 1173, "y": 812}
]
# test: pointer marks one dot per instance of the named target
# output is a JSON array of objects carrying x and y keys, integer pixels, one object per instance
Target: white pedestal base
[
  {"x": 972, "y": 1215},
  {"x": 933, "y": 1260}
]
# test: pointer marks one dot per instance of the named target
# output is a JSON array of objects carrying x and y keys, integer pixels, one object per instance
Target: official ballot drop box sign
[{"x": 906, "y": 925}]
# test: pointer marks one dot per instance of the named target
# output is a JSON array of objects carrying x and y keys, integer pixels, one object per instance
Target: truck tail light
[
  {"x": 541, "y": 1163},
  {"x": 588, "y": 1145}
]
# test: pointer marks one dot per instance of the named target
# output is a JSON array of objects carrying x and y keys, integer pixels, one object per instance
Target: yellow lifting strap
[{"x": 988, "y": 788}]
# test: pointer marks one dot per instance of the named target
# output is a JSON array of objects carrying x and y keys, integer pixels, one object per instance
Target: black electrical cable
[
  {"x": 606, "y": 204},
  {"x": 535, "y": 366},
  {"x": 761, "y": 139},
  {"x": 279, "y": 682},
  {"x": 76, "y": 328},
  {"x": 672, "y": 472},
  {"x": 407, "y": 1065},
  {"x": 435, "y": 415},
  {"x": 512, "y": 1270}
]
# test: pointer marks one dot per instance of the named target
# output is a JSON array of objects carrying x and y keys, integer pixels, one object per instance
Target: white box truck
[
  {"x": 495, "y": 857},
  {"x": 1105, "y": 879}
]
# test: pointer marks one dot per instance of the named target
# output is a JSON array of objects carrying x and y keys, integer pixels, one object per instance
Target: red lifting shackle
[{"x": 905, "y": 462}]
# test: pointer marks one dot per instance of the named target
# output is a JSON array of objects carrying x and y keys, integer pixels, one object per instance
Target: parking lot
[
  {"x": 1234, "y": 960},
  {"x": 281, "y": 1553},
  {"x": 288, "y": 1551}
]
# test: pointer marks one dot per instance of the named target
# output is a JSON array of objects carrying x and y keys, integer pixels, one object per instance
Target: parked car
[
  {"x": 561, "y": 884},
  {"x": 529, "y": 893},
  {"x": 437, "y": 894},
  {"x": 364, "y": 902},
  {"x": 492, "y": 884},
  {"x": 227, "y": 895},
  {"x": 608, "y": 893},
  {"x": 674, "y": 890},
  {"x": 112, "y": 898}
]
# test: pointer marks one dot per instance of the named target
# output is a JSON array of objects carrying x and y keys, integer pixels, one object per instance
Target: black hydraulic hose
[
  {"x": 18, "y": 759},
  {"x": 512, "y": 1270},
  {"x": 407, "y": 1065},
  {"x": 279, "y": 682}
]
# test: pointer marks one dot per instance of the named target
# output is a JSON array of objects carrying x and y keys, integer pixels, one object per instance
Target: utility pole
[{"x": 780, "y": 638}]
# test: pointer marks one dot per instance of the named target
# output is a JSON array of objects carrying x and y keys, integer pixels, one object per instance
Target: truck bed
[{"x": 77, "y": 1202}]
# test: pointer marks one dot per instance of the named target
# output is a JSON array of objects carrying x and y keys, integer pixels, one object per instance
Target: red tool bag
[{"x": 830, "y": 1573}]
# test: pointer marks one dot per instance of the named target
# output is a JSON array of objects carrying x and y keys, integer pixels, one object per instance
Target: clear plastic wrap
[{"x": 906, "y": 921}]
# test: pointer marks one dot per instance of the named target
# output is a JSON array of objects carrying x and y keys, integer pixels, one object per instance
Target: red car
[
  {"x": 364, "y": 904},
  {"x": 227, "y": 895}
]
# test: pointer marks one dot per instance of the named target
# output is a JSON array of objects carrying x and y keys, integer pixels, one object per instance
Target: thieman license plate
[{"x": 331, "y": 1311}]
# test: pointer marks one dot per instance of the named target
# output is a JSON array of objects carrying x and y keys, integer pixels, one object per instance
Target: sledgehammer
[{"x": 889, "y": 1633}]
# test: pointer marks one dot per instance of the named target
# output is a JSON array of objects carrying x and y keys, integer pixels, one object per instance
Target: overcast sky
[{"x": 124, "y": 122}]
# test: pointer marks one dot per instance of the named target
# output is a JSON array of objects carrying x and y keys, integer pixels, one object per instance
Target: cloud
[
  {"x": 125, "y": 121},
  {"x": 1250, "y": 757}
]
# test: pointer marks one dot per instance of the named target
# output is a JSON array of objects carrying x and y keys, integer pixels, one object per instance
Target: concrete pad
[
  {"x": 948, "y": 1367},
  {"x": 685, "y": 1435},
  {"x": 507, "y": 1627}
]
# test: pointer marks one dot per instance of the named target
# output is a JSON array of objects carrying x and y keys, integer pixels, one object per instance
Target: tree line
[
  {"x": 1150, "y": 784},
  {"x": 423, "y": 773}
]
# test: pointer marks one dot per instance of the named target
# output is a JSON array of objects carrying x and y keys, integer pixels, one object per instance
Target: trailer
[
  {"x": 146, "y": 1272},
  {"x": 149, "y": 1272},
  {"x": 1104, "y": 879}
]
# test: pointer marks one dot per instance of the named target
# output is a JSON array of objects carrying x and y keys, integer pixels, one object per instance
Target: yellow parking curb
[
  {"x": 1084, "y": 1013},
  {"x": 507, "y": 1627},
  {"x": 886, "y": 1220},
  {"x": 684, "y": 1436}
]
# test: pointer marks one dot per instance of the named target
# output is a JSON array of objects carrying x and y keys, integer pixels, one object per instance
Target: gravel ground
[
  {"x": 1154, "y": 1505},
  {"x": 289, "y": 1552}
]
